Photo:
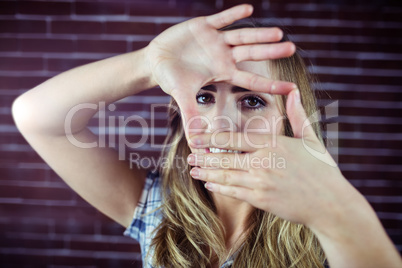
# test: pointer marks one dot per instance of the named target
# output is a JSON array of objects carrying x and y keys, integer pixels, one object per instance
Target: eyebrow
[{"x": 235, "y": 89}]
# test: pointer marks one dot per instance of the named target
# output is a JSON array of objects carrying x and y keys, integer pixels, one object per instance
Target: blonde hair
[{"x": 192, "y": 235}]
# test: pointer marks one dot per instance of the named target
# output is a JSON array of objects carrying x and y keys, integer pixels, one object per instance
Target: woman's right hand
[{"x": 191, "y": 54}]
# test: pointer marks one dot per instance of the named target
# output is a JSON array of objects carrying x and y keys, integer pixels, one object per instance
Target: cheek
[{"x": 269, "y": 122}]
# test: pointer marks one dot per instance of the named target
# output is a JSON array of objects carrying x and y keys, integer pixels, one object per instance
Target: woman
[{"x": 249, "y": 214}]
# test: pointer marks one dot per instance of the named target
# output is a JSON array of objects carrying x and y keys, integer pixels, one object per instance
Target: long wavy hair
[{"x": 192, "y": 235}]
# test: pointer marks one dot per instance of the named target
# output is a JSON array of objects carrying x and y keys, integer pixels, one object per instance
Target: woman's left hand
[{"x": 294, "y": 178}]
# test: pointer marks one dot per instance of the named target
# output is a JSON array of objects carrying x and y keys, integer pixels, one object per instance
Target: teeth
[{"x": 217, "y": 150}]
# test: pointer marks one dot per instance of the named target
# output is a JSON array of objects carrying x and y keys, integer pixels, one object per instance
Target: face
[{"x": 224, "y": 107}]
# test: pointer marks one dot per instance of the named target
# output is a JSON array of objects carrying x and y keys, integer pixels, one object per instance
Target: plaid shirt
[{"x": 147, "y": 218}]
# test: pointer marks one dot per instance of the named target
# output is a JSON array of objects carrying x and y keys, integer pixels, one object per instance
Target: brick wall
[{"x": 354, "y": 47}]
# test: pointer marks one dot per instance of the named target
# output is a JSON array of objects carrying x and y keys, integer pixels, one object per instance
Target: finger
[
  {"x": 192, "y": 119},
  {"x": 231, "y": 191},
  {"x": 229, "y": 16},
  {"x": 221, "y": 160},
  {"x": 252, "y": 36},
  {"x": 301, "y": 125},
  {"x": 222, "y": 176},
  {"x": 263, "y": 52},
  {"x": 260, "y": 83},
  {"x": 302, "y": 129},
  {"x": 240, "y": 141}
]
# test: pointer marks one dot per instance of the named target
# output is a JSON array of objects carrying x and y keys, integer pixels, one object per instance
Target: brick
[
  {"x": 366, "y": 143},
  {"x": 28, "y": 243},
  {"x": 111, "y": 228},
  {"x": 12, "y": 138},
  {"x": 39, "y": 193},
  {"x": 368, "y": 112},
  {"x": 74, "y": 227},
  {"x": 355, "y": 79},
  {"x": 7, "y": 120},
  {"x": 391, "y": 223},
  {"x": 257, "y": 4},
  {"x": 13, "y": 172},
  {"x": 130, "y": 246},
  {"x": 369, "y": 159},
  {"x": 8, "y": 7},
  {"x": 379, "y": 63},
  {"x": 9, "y": 44},
  {"x": 158, "y": 8},
  {"x": 46, "y": 45},
  {"x": 372, "y": 96},
  {"x": 27, "y": 225},
  {"x": 17, "y": 259},
  {"x": 382, "y": 191},
  {"x": 13, "y": 157},
  {"x": 44, "y": 8},
  {"x": 66, "y": 64},
  {"x": 278, "y": 11},
  {"x": 22, "y": 26},
  {"x": 14, "y": 82},
  {"x": 136, "y": 45},
  {"x": 391, "y": 15},
  {"x": 50, "y": 212},
  {"x": 372, "y": 128},
  {"x": 339, "y": 62},
  {"x": 21, "y": 63},
  {"x": 386, "y": 207},
  {"x": 76, "y": 27},
  {"x": 101, "y": 46},
  {"x": 199, "y": 11},
  {"x": 118, "y": 27},
  {"x": 100, "y": 8},
  {"x": 375, "y": 47},
  {"x": 52, "y": 176},
  {"x": 372, "y": 175}
]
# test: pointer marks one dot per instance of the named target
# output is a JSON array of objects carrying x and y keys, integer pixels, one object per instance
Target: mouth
[{"x": 217, "y": 150}]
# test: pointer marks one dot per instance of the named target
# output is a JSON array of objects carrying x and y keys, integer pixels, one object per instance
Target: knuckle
[
  {"x": 260, "y": 197},
  {"x": 225, "y": 177},
  {"x": 253, "y": 81},
  {"x": 233, "y": 192}
]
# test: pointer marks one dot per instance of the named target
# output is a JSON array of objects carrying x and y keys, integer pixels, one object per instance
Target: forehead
[{"x": 256, "y": 67}]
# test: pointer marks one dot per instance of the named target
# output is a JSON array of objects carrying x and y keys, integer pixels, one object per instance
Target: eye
[
  {"x": 253, "y": 102},
  {"x": 205, "y": 98}
]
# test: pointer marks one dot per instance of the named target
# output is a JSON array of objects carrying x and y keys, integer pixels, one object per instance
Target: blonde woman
[{"x": 228, "y": 205}]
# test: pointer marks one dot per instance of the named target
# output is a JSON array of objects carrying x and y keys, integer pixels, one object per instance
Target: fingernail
[
  {"x": 195, "y": 173},
  {"x": 209, "y": 186},
  {"x": 196, "y": 141},
  {"x": 297, "y": 95},
  {"x": 191, "y": 159}
]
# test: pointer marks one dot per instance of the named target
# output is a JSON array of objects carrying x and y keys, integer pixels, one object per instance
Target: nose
[{"x": 224, "y": 118}]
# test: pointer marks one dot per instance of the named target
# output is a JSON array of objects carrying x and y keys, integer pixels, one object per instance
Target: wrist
[
  {"x": 350, "y": 211},
  {"x": 141, "y": 65}
]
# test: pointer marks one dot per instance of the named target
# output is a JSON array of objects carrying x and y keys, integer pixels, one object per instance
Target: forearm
[
  {"x": 44, "y": 108},
  {"x": 355, "y": 238}
]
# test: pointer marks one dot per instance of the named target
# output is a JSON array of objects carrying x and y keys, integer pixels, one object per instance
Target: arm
[
  {"x": 310, "y": 190},
  {"x": 180, "y": 60},
  {"x": 96, "y": 173}
]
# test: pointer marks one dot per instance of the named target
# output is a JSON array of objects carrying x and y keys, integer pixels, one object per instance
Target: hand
[
  {"x": 295, "y": 185},
  {"x": 194, "y": 53}
]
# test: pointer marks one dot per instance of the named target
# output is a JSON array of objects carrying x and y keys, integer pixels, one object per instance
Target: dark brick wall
[{"x": 354, "y": 47}]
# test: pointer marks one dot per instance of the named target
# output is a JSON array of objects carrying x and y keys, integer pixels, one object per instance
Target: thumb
[
  {"x": 302, "y": 128},
  {"x": 301, "y": 125},
  {"x": 191, "y": 118}
]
